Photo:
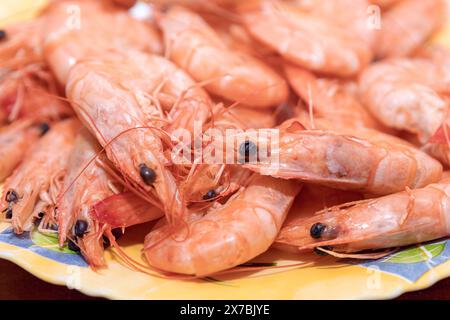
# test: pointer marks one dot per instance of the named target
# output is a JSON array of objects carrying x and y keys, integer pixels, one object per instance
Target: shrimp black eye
[
  {"x": 147, "y": 174},
  {"x": 9, "y": 214},
  {"x": 73, "y": 246},
  {"x": 317, "y": 229},
  {"x": 37, "y": 220},
  {"x": 11, "y": 196},
  {"x": 2, "y": 35},
  {"x": 44, "y": 127},
  {"x": 210, "y": 194},
  {"x": 117, "y": 233},
  {"x": 80, "y": 228},
  {"x": 247, "y": 149}
]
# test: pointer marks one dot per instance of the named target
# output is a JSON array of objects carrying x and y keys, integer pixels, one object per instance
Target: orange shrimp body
[
  {"x": 86, "y": 193},
  {"x": 226, "y": 236},
  {"x": 22, "y": 45},
  {"x": 329, "y": 99},
  {"x": 27, "y": 88},
  {"x": 405, "y": 94},
  {"x": 76, "y": 29},
  {"x": 366, "y": 161},
  {"x": 36, "y": 180},
  {"x": 123, "y": 210},
  {"x": 236, "y": 76},
  {"x": 15, "y": 140},
  {"x": 306, "y": 39},
  {"x": 394, "y": 220},
  {"x": 310, "y": 200},
  {"x": 84, "y": 184},
  {"x": 31, "y": 93},
  {"x": 242, "y": 117},
  {"x": 112, "y": 95},
  {"x": 408, "y": 25}
]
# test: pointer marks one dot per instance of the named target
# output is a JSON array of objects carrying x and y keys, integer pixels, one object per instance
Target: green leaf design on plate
[
  {"x": 418, "y": 253},
  {"x": 48, "y": 241}
]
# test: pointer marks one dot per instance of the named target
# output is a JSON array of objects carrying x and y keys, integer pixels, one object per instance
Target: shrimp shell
[
  {"x": 329, "y": 99},
  {"x": 408, "y": 25},
  {"x": 406, "y": 94},
  {"x": 366, "y": 161},
  {"x": 399, "y": 219},
  {"x": 233, "y": 75},
  {"x": 76, "y": 29},
  {"x": 227, "y": 236},
  {"x": 111, "y": 95},
  {"x": 305, "y": 39},
  {"x": 34, "y": 178},
  {"x": 15, "y": 140},
  {"x": 84, "y": 184}
]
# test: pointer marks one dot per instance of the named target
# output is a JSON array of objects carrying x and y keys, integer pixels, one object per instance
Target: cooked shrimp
[
  {"x": 399, "y": 219},
  {"x": 27, "y": 88},
  {"x": 85, "y": 183},
  {"x": 233, "y": 75},
  {"x": 407, "y": 25},
  {"x": 236, "y": 37},
  {"x": 310, "y": 200},
  {"x": 21, "y": 44},
  {"x": 31, "y": 92},
  {"x": 85, "y": 208},
  {"x": 306, "y": 39},
  {"x": 329, "y": 98},
  {"x": 227, "y": 235},
  {"x": 352, "y": 15},
  {"x": 35, "y": 183},
  {"x": 406, "y": 94},
  {"x": 367, "y": 161},
  {"x": 76, "y": 29},
  {"x": 15, "y": 140},
  {"x": 112, "y": 95}
]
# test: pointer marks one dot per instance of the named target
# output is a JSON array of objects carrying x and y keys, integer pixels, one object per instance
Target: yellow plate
[{"x": 414, "y": 268}]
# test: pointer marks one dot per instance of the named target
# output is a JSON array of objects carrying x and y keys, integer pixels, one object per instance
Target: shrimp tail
[{"x": 123, "y": 210}]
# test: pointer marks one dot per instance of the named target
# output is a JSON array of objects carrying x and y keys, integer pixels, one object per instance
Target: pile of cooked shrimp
[{"x": 92, "y": 102}]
